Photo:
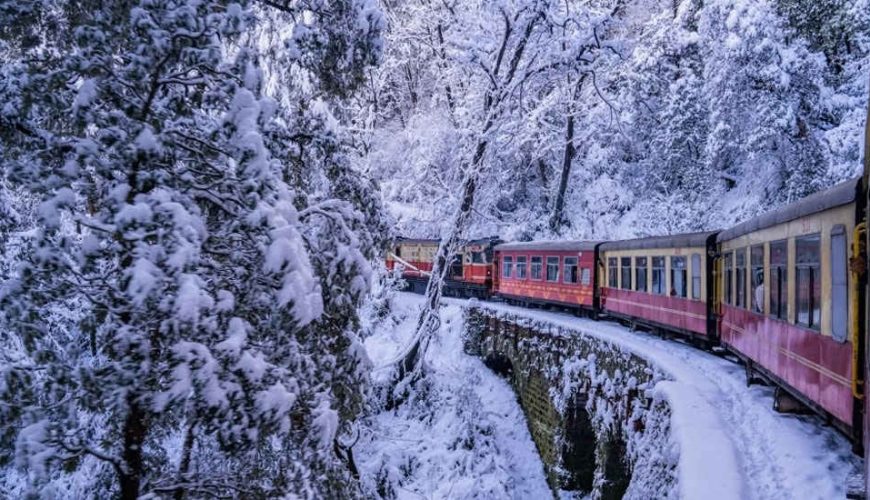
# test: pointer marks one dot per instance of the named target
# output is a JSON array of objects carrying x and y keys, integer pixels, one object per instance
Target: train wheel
[{"x": 750, "y": 374}]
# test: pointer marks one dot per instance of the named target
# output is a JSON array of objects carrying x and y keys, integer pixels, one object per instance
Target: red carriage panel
[
  {"x": 477, "y": 273},
  {"x": 675, "y": 312},
  {"x": 542, "y": 290},
  {"x": 814, "y": 364}
]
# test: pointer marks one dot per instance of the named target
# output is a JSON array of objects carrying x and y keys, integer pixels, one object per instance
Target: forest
[{"x": 196, "y": 197}]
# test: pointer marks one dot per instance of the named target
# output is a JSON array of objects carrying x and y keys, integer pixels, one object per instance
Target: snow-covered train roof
[
  {"x": 436, "y": 241},
  {"x": 837, "y": 196},
  {"x": 555, "y": 246},
  {"x": 417, "y": 241},
  {"x": 670, "y": 241}
]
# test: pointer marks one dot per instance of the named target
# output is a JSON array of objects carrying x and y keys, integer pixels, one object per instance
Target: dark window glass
[
  {"x": 478, "y": 258},
  {"x": 625, "y": 280},
  {"x": 756, "y": 261},
  {"x": 640, "y": 270},
  {"x": 507, "y": 265},
  {"x": 696, "y": 276},
  {"x": 779, "y": 279},
  {"x": 839, "y": 285},
  {"x": 456, "y": 266},
  {"x": 552, "y": 268},
  {"x": 740, "y": 271},
  {"x": 536, "y": 268},
  {"x": 586, "y": 276},
  {"x": 808, "y": 280},
  {"x": 570, "y": 271},
  {"x": 521, "y": 267},
  {"x": 658, "y": 275},
  {"x": 729, "y": 283},
  {"x": 612, "y": 274},
  {"x": 679, "y": 276}
]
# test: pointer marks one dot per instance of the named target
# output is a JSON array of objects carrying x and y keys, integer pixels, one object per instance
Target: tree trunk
[
  {"x": 184, "y": 463},
  {"x": 135, "y": 428},
  {"x": 557, "y": 218},
  {"x": 443, "y": 55},
  {"x": 409, "y": 366},
  {"x": 428, "y": 321}
]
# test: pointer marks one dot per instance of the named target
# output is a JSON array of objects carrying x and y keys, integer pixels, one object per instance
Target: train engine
[{"x": 470, "y": 272}]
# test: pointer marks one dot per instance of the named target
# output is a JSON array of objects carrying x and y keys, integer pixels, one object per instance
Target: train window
[
  {"x": 478, "y": 258},
  {"x": 740, "y": 271},
  {"x": 521, "y": 267},
  {"x": 778, "y": 279},
  {"x": 625, "y": 280},
  {"x": 456, "y": 266},
  {"x": 612, "y": 277},
  {"x": 507, "y": 264},
  {"x": 808, "y": 280},
  {"x": 571, "y": 275},
  {"x": 535, "y": 270},
  {"x": 585, "y": 276},
  {"x": 729, "y": 284},
  {"x": 756, "y": 263},
  {"x": 552, "y": 268},
  {"x": 658, "y": 275},
  {"x": 839, "y": 284},
  {"x": 640, "y": 274},
  {"x": 679, "y": 277},
  {"x": 696, "y": 276}
]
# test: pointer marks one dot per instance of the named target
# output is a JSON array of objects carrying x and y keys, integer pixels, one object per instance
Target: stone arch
[
  {"x": 617, "y": 474},
  {"x": 579, "y": 444},
  {"x": 500, "y": 363}
]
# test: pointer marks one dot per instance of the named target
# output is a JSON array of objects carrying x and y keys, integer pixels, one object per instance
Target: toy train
[{"x": 783, "y": 292}]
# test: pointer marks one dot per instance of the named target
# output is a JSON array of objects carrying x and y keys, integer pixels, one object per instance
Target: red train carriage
[
  {"x": 547, "y": 272},
  {"x": 661, "y": 282},
  {"x": 470, "y": 273},
  {"x": 789, "y": 303}
]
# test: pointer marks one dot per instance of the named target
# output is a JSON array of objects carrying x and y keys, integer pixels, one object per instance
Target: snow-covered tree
[
  {"x": 726, "y": 106},
  {"x": 198, "y": 215}
]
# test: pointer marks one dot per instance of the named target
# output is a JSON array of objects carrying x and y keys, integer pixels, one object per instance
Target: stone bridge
[{"x": 589, "y": 405}]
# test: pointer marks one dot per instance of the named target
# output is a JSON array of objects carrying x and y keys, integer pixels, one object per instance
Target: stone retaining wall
[{"x": 589, "y": 404}]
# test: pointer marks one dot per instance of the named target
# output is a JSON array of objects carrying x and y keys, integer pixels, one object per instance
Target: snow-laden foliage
[
  {"x": 629, "y": 118},
  {"x": 182, "y": 318}
]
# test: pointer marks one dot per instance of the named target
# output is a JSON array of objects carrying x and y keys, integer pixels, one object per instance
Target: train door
[
  {"x": 712, "y": 295},
  {"x": 456, "y": 267},
  {"x": 718, "y": 265}
]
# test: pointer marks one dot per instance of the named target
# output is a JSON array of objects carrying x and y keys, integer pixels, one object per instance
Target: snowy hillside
[
  {"x": 462, "y": 436},
  {"x": 614, "y": 118},
  {"x": 465, "y": 435}
]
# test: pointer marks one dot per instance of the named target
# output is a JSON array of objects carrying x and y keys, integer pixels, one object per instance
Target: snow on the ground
[
  {"x": 464, "y": 436},
  {"x": 732, "y": 443}
]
